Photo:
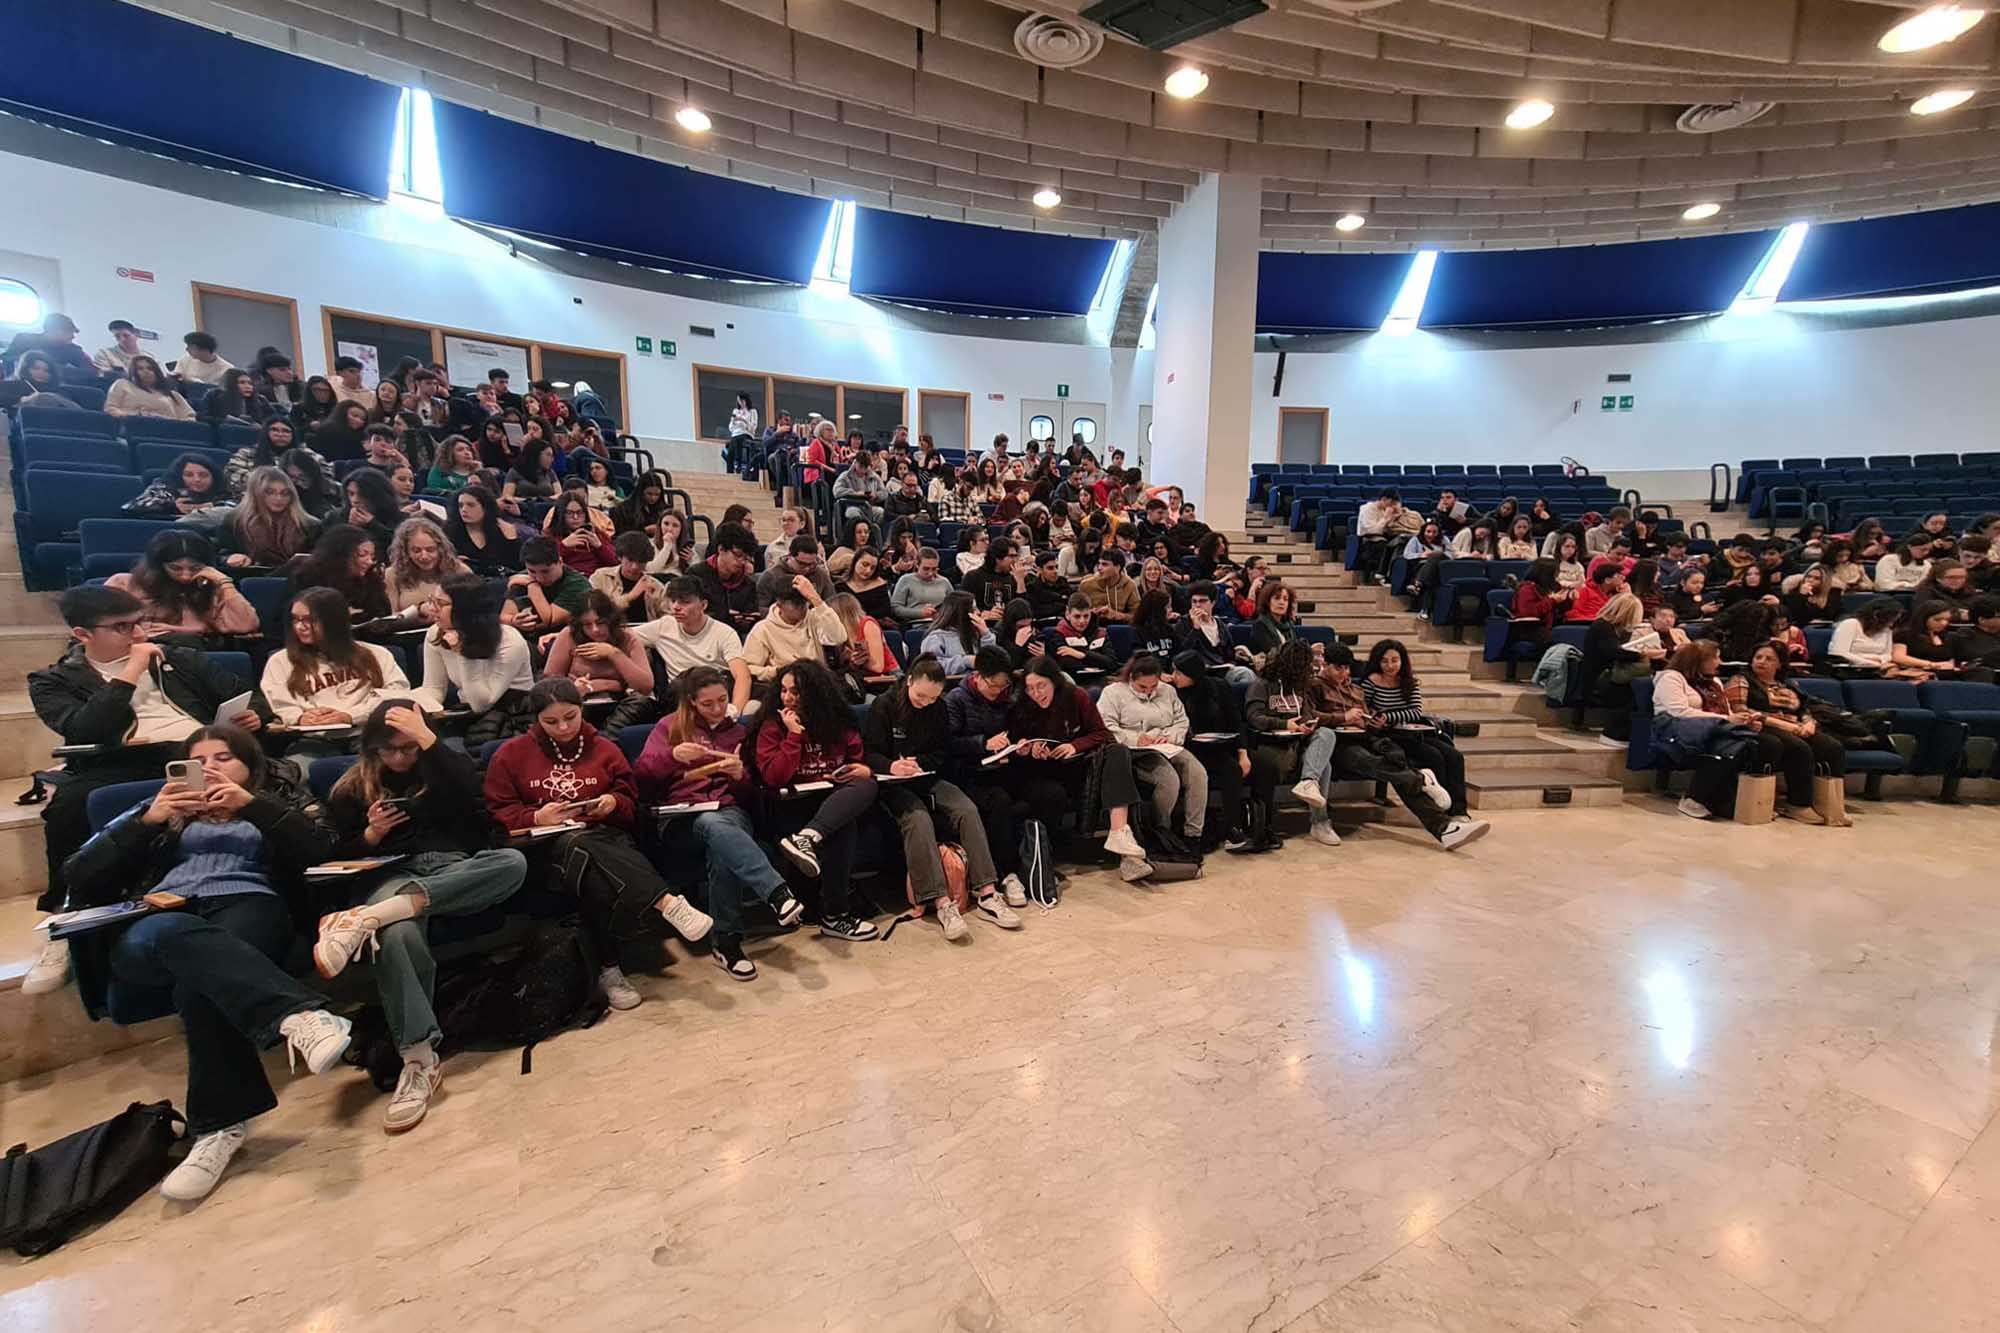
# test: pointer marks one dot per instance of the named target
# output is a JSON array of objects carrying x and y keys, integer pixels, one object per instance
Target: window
[
  {"x": 413, "y": 159},
  {"x": 1041, "y": 428},
  {"x": 1084, "y": 428},
  {"x": 19, "y": 303},
  {"x": 836, "y": 245},
  {"x": 715, "y": 398},
  {"x": 944, "y": 416},
  {"x": 567, "y": 370},
  {"x": 800, "y": 397},
  {"x": 1416, "y": 289},
  {"x": 244, "y": 322},
  {"x": 874, "y": 412},
  {"x": 1767, "y": 280}
]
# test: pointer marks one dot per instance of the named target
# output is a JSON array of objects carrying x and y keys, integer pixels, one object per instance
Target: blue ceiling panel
[
  {"x": 1592, "y": 285},
  {"x": 974, "y": 270},
  {"x": 1326, "y": 293},
  {"x": 1947, "y": 250}
]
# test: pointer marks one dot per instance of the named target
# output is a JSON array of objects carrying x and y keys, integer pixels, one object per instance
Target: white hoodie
[
  {"x": 1130, "y": 717},
  {"x": 331, "y": 686}
]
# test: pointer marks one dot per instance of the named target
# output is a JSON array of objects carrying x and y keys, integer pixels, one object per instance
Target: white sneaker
[
  {"x": 204, "y": 1164},
  {"x": 419, "y": 1081},
  {"x": 995, "y": 909},
  {"x": 1612, "y": 742},
  {"x": 618, "y": 989},
  {"x": 1324, "y": 835},
  {"x": 1015, "y": 891},
  {"x": 1131, "y": 868},
  {"x": 1307, "y": 790},
  {"x": 954, "y": 925},
  {"x": 1461, "y": 831},
  {"x": 685, "y": 917},
  {"x": 50, "y": 971},
  {"x": 317, "y": 1037},
  {"x": 1694, "y": 809},
  {"x": 1120, "y": 842},
  {"x": 1435, "y": 789},
  {"x": 342, "y": 937}
]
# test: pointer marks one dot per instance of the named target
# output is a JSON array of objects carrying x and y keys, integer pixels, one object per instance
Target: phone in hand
[
  {"x": 405, "y": 804},
  {"x": 189, "y": 773}
]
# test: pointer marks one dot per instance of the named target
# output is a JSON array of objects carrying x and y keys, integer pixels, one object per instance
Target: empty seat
[
  {"x": 1937, "y": 460},
  {"x": 62, "y": 421},
  {"x": 113, "y": 545},
  {"x": 63, "y": 451},
  {"x": 1889, "y": 460},
  {"x": 1845, "y": 460},
  {"x": 1797, "y": 464},
  {"x": 58, "y": 502}
]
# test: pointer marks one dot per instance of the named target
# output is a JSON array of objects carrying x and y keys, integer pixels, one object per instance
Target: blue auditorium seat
[{"x": 57, "y": 502}]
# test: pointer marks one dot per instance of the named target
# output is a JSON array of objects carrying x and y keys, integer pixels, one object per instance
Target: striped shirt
[{"x": 1399, "y": 704}]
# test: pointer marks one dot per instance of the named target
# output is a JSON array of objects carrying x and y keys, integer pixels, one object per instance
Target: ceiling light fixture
[
  {"x": 1944, "y": 99},
  {"x": 693, "y": 119},
  {"x": 1701, "y": 212},
  {"x": 1931, "y": 27},
  {"x": 1046, "y": 198},
  {"x": 1187, "y": 81},
  {"x": 1529, "y": 114},
  {"x": 1351, "y": 222}
]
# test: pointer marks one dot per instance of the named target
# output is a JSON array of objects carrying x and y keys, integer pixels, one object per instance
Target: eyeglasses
[
  {"x": 400, "y": 750},
  {"x": 117, "y": 626}
]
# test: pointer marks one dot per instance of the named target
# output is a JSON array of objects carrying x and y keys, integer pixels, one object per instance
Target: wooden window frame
[
  {"x": 196, "y": 290},
  {"x": 439, "y": 332},
  {"x": 1325, "y": 421},
  {"x": 771, "y": 378}
]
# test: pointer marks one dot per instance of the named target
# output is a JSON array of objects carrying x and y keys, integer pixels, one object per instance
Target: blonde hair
[
  {"x": 264, "y": 538},
  {"x": 1624, "y": 611},
  {"x": 403, "y": 571}
]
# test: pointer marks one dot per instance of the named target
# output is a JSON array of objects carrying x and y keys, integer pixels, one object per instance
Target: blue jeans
[
  {"x": 221, "y": 957},
  {"x": 405, "y": 972},
  {"x": 737, "y": 866}
]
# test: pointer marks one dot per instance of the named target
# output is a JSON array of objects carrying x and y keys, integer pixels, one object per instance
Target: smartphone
[
  {"x": 189, "y": 773},
  {"x": 406, "y": 804}
]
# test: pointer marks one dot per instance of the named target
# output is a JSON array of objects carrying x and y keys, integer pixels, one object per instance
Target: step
[
  {"x": 24, "y": 868},
  {"x": 18, "y": 606},
  {"x": 24, "y": 742},
  {"x": 1530, "y": 788},
  {"x": 43, "y": 1032},
  {"x": 25, "y": 648},
  {"x": 1498, "y": 753}
]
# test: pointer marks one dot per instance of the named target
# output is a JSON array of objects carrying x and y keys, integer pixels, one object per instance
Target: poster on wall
[
  {"x": 368, "y": 356},
  {"x": 467, "y": 360}
]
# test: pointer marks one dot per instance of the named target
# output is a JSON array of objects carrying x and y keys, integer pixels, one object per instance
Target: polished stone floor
[{"x": 1605, "y": 1070}]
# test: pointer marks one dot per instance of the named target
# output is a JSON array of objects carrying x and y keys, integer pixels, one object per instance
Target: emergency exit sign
[
  {"x": 1608, "y": 403},
  {"x": 1062, "y": 390},
  {"x": 643, "y": 346}
]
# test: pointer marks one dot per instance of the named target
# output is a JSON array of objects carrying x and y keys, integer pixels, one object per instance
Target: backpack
[
  {"x": 1038, "y": 863},
  {"x": 1170, "y": 855},
  {"x": 522, "y": 998},
  {"x": 59, "y": 1189},
  {"x": 952, "y": 858}
]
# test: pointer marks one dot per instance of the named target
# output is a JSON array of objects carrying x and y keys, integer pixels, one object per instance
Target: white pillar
[{"x": 1205, "y": 327}]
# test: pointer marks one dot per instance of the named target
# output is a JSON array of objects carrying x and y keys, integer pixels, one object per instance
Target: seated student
[
  {"x": 372, "y": 505},
  {"x": 726, "y": 575},
  {"x": 1613, "y": 657},
  {"x": 1048, "y": 591},
  {"x": 188, "y": 486},
  {"x": 1790, "y": 734},
  {"x": 1517, "y": 540},
  {"x": 145, "y": 391},
  {"x": 1976, "y": 647},
  {"x": 673, "y": 549},
  {"x": 235, "y": 849},
  {"x": 861, "y": 535},
  {"x": 322, "y": 677},
  {"x": 800, "y": 627},
  {"x": 457, "y": 460},
  {"x": 1604, "y": 583},
  {"x": 1202, "y": 634},
  {"x": 407, "y": 795},
  {"x": 1692, "y": 714},
  {"x": 1277, "y": 619},
  {"x": 632, "y": 583},
  {"x": 607, "y": 661},
  {"x": 36, "y": 383},
  {"x": 1111, "y": 592},
  {"x": 972, "y": 543},
  {"x": 1813, "y": 598},
  {"x": 1389, "y": 685},
  {"x": 920, "y": 592},
  {"x": 275, "y": 439},
  {"x": 804, "y": 733},
  {"x": 688, "y": 637},
  {"x": 488, "y": 663},
  {"x": 995, "y": 581},
  {"x": 344, "y": 560},
  {"x": 533, "y": 475},
  {"x": 1078, "y": 642},
  {"x": 548, "y": 593},
  {"x": 573, "y": 525},
  {"x": 1866, "y": 640},
  {"x": 803, "y": 560},
  {"x": 793, "y": 522},
  {"x": 419, "y": 560},
  {"x": 1152, "y": 627},
  {"x": 864, "y": 656},
  {"x": 866, "y": 585},
  {"x": 1061, "y": 734},
  {"x": 485, "y": 541},
  {"x": 958, "y": 631},
  {"x": 1231, "y": 765},
  {"x": 1539, "y": 598},
  {"x": 692, "y": 758},
  {"x": 1145, "y": 715},
  {"x": 1691, "y": 600},
  {"x": 906, "y": 734},
  {"x": 235, "y": 400},
  {"x": 181, "y": 591},
  {"x": 1949, "y": 584},
  {"x": 1902, "y": 569},
  {"x": 1278, "y": 706},
  {"x": 561, "y": 771},
  {"x": 1921, "y": 647}
]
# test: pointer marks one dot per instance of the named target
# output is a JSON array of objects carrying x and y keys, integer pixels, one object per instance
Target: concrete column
[{"x": 1205, "y": 326}]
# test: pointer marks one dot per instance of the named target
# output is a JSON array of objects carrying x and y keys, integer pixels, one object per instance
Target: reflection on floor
[{"x": 1606, "y": 1070}]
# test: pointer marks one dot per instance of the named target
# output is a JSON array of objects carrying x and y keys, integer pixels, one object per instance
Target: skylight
[
  {"x": 1767, "y": 280},
  {"x": 836, "y": 245},
  {"x": 1409, "y": 306},
  {"x": 413, "y": 160}
]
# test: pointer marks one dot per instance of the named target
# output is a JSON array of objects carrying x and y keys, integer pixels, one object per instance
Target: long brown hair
[
  {"x": 333, "y": 641},
  {"x": 363, "y": 778},
  {"x": 690, "y": 684},
  {"x": 266, "y": 538}
]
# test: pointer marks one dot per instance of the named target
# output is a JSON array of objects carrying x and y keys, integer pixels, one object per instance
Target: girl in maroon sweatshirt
[
  {"x": 560, "y": 771},
  {"x": 805, "y": 733},
  {"x": 1064, "y": 726}
]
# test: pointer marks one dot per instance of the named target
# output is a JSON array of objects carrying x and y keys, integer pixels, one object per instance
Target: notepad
[
  {"x": 1214, "y": 737},
  {"x": 538, "y": 831},
  {"x": 64, "y": 924},
  {"x": 231, "y": 707},
  {"x": 357, "y": 865},
  {"x": 687, "y": 808}
]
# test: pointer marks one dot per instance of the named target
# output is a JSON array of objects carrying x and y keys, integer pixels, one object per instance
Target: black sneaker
[
  {"x": 840, "y": 926},
  {"x": 787, "y": 906},
  {"x": 727, "y": 951},
  {"x": 803, "y": 848}
]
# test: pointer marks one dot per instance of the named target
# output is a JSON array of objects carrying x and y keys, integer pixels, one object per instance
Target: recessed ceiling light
[
  {"x": 1529, "y": 114},
  {"x": 1944, "y": 99},
  {"x": 1186, "y": 82},
  {"x": 1701, "y": 212},
  {"x": 693, "y": 119},
  {"x": 1046, "y": 198},
  {"x": 1352, "y": 222},
  {"x": 1931, "y": 27}
]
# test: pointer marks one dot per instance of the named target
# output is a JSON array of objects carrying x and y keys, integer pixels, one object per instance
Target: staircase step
[
  {"x": 18, "y": 606},
  {"x": 24, "y": 867},
  {"x": 50, "y": 1031},
  {"x": 25, "y": 648},
  {"x": 24, "y": 742},
  {"x": 1497, "y": 753},
  {"x": 1530, "y": 789}
]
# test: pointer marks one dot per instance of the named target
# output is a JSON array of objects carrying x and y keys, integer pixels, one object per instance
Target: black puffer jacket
[{"x": 893, "y": 729}]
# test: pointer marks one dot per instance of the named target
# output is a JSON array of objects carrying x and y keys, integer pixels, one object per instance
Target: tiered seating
[{"x": 1899, "y": 489}]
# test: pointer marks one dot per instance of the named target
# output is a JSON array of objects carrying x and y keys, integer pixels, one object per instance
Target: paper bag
[{"x": 1756, "y": 798}]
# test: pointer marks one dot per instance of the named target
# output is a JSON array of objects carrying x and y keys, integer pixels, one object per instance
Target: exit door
[{"x": 1054, "y": 420}]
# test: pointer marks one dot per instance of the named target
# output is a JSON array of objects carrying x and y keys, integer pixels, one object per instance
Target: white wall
[
  {"x": 1752, "y": 386},
  {"x": 432, "y": 271}
]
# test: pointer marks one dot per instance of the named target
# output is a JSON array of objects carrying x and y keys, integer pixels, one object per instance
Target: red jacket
[
  {"x": 523, "y": 776},
  {"x": 1590, "y": 599},
  {"x": 1071, "y": 716},
  {"x": 664, "y": 778},
  {"x": 1531, "y": 601},
  {"x": 785, "y": 758}
]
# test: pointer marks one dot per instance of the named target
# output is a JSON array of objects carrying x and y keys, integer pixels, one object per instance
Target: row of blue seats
[
  {"x": 1261, "y": 487},
  {"x": 1751, "y": 470},
  {"x": 1797, "y": 489},
  {"x": 1564, "y": 496},
  {"x": 1307, "y": 503}
]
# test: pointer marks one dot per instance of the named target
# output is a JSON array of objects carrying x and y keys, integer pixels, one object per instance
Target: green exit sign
[
  {"x": 1062, "y": 390},
  {"x": 643, "y": 346},
  {"x": 668, "y": 347},
  {"x": 1627, "y": 402},
  {"x": 1608, "y": 403}
]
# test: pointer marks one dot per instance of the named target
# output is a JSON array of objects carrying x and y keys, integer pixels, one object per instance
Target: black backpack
[
  {"x": 1171, "y": 856},
  {"x": 514, "y": 999},
  {"x": 59, "y": 1189}
]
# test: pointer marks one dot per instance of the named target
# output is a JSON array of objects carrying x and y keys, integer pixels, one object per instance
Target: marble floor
[{"x": 1605, "y": 1070}]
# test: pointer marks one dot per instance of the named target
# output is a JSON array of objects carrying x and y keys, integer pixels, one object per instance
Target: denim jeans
[
  {"x": 1378, "y": 759},
  {"x": 405, "y": 972},
  {"x": 221, "y": 957},
  {"x": 737, "y": 866},
  {"x": 949, "y": 814},
  {"x": 1166, "y": 779}
]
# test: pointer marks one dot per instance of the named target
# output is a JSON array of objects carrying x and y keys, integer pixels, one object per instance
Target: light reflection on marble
[{"x": 1607, "y": 1070}]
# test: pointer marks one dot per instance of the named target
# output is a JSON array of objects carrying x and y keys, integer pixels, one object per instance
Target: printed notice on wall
[
  {"x": 369, "y": 357},
  {"x": 467, "y": 361}
]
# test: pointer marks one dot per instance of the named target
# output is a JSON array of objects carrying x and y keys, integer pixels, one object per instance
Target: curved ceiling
[{"x": 1393, "y": 109}]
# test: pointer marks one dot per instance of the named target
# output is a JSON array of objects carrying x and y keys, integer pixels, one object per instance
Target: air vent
[
  {"x": 1714, "y": 117},
  {"x": 701, "y": 330},
  {"x": 1161, "y": 24},
  {"x": 1056, "y": 42}
]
